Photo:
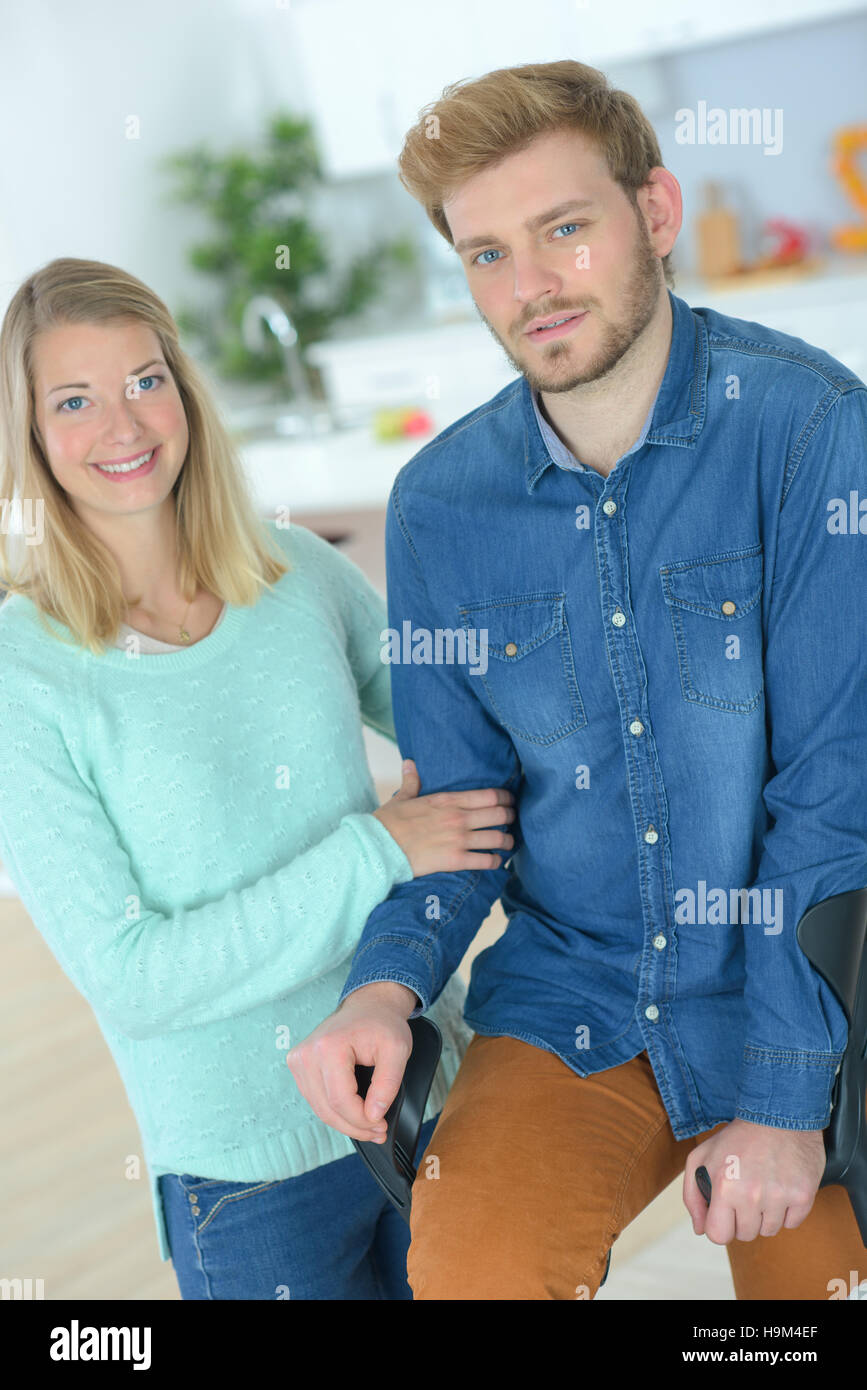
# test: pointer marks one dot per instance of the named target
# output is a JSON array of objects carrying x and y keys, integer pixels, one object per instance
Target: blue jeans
[{"x": 328, "y": 1234}]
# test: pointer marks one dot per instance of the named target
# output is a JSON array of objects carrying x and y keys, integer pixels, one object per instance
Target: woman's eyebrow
[{"x": 85, "y": 385}]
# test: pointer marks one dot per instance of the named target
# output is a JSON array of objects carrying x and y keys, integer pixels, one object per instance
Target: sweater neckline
[
  {"x": 218, "y": 640},
  {"x": 156, "y": 645}
]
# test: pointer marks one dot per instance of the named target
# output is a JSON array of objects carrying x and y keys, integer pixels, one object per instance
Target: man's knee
[{"x": 472, "y": 1240}]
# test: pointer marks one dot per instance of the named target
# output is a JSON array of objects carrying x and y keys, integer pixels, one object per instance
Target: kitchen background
[{"x": 185, "y": 143}]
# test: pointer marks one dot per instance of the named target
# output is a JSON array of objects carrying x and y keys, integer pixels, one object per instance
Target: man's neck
[{"x": 598, "y": 422}]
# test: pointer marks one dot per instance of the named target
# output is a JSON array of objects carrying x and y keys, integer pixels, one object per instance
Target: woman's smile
[{"x": 131, "y": 469}]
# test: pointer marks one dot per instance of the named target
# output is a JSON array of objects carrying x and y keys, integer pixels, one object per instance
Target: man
[{"x": 646, "y": 526}]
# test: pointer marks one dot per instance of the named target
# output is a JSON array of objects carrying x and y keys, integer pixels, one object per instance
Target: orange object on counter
[{"x": 848, "y": 143}]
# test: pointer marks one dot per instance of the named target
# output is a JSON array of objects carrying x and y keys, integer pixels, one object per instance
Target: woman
[{"x": 186, "y": 808}]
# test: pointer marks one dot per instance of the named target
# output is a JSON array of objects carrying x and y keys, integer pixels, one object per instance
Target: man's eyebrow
[
  {"x": 532, "y": 224},
  {"x": 85, "y": 385}
]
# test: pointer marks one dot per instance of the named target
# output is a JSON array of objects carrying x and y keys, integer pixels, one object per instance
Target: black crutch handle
[{"x": 392, "y": 1163}]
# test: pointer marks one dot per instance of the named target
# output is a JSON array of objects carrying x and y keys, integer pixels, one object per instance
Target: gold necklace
[{"x": 183, "y": 634}]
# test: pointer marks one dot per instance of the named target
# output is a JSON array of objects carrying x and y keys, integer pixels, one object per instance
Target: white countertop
[{"x": 340, "y": 472}]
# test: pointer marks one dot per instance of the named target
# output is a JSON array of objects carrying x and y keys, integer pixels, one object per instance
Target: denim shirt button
[
  {"x": 636, "y": 727},
  {"x": 609, "y": 507},
  {"x": 660, "y": 942},
  {"x": 650, "y": 835},
  {"x": 728, "y": 606},
  {"x": 618, "y": 618},
  {"x": 652, "y": 1012},
  {"x": 510, "y": 649}
]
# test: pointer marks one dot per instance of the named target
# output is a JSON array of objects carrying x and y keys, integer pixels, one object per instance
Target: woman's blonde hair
[
  {"x": 70, "y": 575},
  {"x": 475, "y": 124}
]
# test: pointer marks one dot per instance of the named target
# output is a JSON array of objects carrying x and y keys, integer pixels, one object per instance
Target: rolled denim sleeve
[
  {"x": 815, "y": 674},
  {"x": 419, "y": 934}
]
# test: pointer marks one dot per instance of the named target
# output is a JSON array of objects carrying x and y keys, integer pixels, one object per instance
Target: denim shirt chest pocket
[
  {"x": 714, "y": 605},
  {"x": 530, "y": 677}
]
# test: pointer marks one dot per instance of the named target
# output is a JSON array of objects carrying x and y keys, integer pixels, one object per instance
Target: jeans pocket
[
  {"x": 716, "y": 617},
  {"x": 530, "y": 676},
  {"x": 208, "y": 1197}
]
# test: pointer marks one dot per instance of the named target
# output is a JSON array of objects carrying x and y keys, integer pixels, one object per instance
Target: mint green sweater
[{"x": 191, "y": 833}]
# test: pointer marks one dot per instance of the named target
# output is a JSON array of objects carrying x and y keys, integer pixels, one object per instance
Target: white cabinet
[
  {"x": 445, "y": 370},
  {"x": 371, "y": 65},
  {"x": 635, "y": 29},
  {"x": 828, "y": 311}
]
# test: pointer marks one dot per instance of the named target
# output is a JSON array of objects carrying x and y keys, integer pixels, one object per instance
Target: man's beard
[{"x": 640, "y": 298}]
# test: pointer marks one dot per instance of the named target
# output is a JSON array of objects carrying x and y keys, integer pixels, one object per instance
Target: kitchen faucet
[{"x": 263, "y": 307}]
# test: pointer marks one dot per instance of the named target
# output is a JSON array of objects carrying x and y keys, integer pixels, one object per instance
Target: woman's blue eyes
[
  {"x": 570, "y": 226},
  {"x": 153, "y": 377}
]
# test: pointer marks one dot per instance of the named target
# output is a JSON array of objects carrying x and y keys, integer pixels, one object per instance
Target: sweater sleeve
[
  {"x": 368, "y": 619},
  {"x": 146, "y": 972},
  {"x": 364, "y": 615}
]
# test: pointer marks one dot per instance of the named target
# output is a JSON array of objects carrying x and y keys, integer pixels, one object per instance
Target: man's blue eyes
[
  {"x": 567, "y": 226},
  {"x": 153, "y": 377}
]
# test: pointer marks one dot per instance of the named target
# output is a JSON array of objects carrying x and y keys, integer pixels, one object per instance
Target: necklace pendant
[{"x": 185, "y": 636}]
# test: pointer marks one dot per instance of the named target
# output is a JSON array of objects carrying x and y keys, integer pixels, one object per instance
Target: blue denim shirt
[{"x": 674, "y": 688}]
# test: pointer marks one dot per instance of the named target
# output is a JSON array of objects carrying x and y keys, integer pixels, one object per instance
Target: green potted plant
[{"x": 264, "y": 243}]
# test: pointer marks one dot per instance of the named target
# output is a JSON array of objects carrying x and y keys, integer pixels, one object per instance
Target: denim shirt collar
[{"x": 681, "y": 402}]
